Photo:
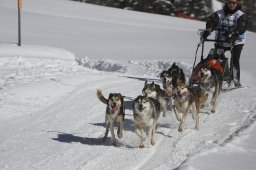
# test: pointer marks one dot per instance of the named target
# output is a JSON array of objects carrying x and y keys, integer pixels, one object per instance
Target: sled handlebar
[{"x": 218, "y": 41}]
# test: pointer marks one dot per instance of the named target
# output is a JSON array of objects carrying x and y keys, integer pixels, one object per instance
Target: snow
[
  {"x": 216, "y": 5},
  {"x": 50, "y": 117}
]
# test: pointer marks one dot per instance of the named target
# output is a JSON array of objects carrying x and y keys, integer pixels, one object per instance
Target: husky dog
[
  {"x": 153, "y": 90},
  {"x": 172, "y": 76},
  {"x": 185, "y": 98},
  {"x": 146, "y": 111},
  {"x": 166, "y": 79},
  {"x": 210, "y": 82},
  {"x": 114, "y": 111}
]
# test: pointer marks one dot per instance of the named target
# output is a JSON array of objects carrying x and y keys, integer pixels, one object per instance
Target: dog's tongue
[
  {"x": 113, "y": 110},
  {"x": 204, "y": 77},
  {"x": 165, "y": 85}
]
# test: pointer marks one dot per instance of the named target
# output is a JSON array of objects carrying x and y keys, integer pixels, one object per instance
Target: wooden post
[{"x": 19, "y": 22}]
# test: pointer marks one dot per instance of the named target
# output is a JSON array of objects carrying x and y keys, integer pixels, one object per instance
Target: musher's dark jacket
[{"x": 224, "y": 21}]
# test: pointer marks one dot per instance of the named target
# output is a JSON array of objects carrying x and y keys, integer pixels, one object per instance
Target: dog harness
[{"x": 184, "y": 97}]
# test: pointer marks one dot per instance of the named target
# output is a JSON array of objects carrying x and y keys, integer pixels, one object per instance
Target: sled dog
[
  {"x": 115, "y": 111},
  {"x": 146, "y": 111},
  {"x": 210, "y": 83},
  {"x": 153, "y": 90},
  {"x": 185, "y": 98},
  {"x": 172, "y": 76}
]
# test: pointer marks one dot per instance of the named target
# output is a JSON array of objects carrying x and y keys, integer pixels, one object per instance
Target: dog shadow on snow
[
  {"x": 70, "y": 138},
  {"x": 128, "y": 125}
]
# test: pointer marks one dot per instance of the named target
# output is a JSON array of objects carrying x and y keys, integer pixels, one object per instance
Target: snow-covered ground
[{"x": 50, "y": 117}]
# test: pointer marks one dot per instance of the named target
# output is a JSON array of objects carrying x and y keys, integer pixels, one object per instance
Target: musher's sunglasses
[{"x": 232, "y": 2}]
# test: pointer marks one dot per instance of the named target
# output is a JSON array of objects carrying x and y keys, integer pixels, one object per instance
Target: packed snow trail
[{"x": 67, "y": 133}]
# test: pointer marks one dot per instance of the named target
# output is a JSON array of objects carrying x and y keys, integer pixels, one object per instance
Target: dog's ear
[
  {"x": 162, "y": 74},
  {"x": 173, "y": 64},
  {"x": 119, "y": 95},
  {"x": 157, "y": 87},
  {"x": 122, "y": 102},
  {"x": 110, "y": 95},
  {"x": 146, "y": 82},
  {"x": 181, "y": 75},
  {"x": 137, "y": 98}
]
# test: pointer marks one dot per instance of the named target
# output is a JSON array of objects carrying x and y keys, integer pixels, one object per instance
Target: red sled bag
[{"x": 210, "y": 62}]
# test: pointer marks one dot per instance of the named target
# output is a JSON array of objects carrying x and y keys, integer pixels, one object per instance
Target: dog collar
[{"x": 166, "y": 94}]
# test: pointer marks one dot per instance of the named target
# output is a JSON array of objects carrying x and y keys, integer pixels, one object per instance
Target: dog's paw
[
  {"x": 178, "y": 118},
  {"x": 114, "y": 143},
  {"x": 104, "y": 139},
  {"x": 141, "y": 146},
  {"x": 120, "y": 135},
  {"x": 153, "y": 142}
]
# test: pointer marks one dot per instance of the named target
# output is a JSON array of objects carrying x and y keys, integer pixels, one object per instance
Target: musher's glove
[{"x": 204, "y": 35}]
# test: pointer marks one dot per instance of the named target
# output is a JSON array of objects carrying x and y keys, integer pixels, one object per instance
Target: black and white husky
[
  {"x": 210, "y": 83},
  {"x": 171, "y": 78},
  {"x": 146, "y": 111},
  {"x": 153, "y": 90},
  {"x": 114, "y": 111}
]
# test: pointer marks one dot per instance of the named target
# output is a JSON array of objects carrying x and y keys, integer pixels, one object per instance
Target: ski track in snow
[{"x": 69, "y": 127}]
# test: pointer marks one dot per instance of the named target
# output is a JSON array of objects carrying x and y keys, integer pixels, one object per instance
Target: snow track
[{"x": 66, "y": 133}]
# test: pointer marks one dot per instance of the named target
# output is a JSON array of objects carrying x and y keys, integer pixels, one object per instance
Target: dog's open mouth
[
  {"x": 203, "y": 77},
  {"x": 114, "y": 109},
  {"x": 166, "y": 84},
  {"x": 141, "y": 108}
]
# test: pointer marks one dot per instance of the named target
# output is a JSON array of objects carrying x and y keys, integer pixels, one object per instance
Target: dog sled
[{"x": 218, "y": 58}]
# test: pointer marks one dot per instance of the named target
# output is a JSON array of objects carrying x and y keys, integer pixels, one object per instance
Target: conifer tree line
[{"x": 193, "y": 9}]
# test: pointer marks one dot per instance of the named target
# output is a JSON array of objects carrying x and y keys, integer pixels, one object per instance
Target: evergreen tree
[
  {"x": 199, "y": 9},
  {"x": 249, "y": 7}
]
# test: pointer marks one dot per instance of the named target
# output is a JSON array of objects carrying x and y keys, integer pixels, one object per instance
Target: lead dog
[
  {"x": 210, "y": 83},
  {"x": 146, "y": 111},
  {"x": 114, "y": 111},
  {"x": 185, "y": 98}
]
